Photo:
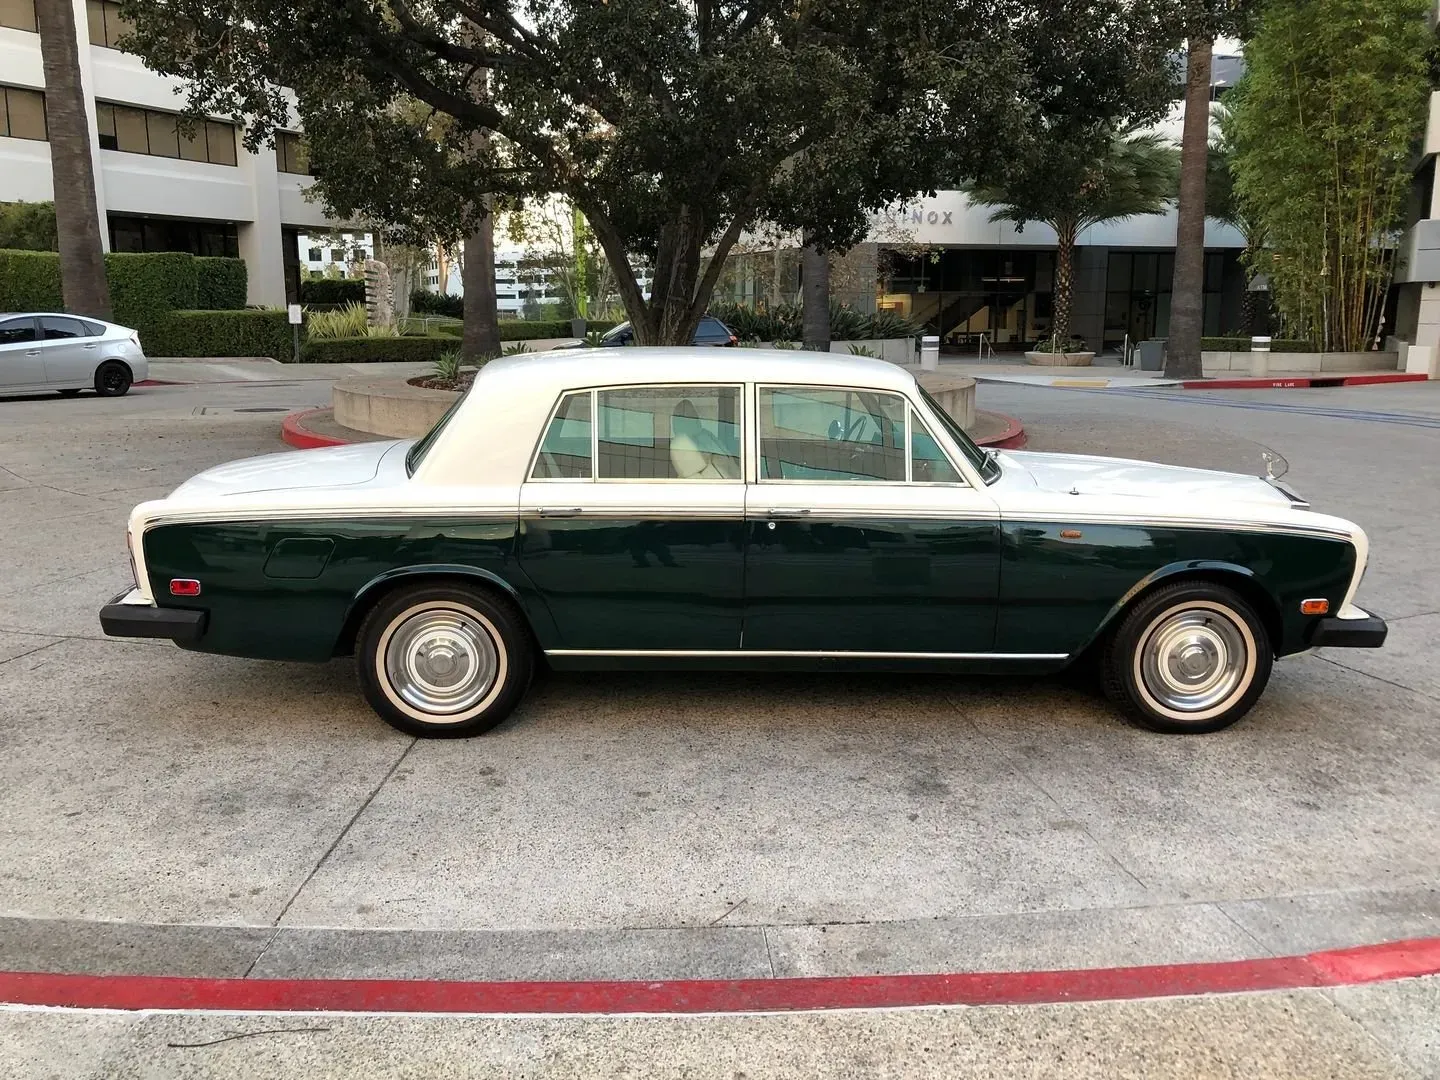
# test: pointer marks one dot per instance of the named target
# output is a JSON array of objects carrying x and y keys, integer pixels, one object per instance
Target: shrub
[
  {"x": 371, "y": 350},
  {"x": 785, "y": 322},
  {"x": 220, "y": 284},
  {"x": 348, "y": 321},
  {"x": 425, "y": 302},
  {"x": 144, "y": 288},
  {"x": 1242, "y": 344},
  {"x": 246, "y": 332},
  {"x": 447, "y": 365},
  {"x": 332, "y": 291},
  {"x": 29, "y": 281}
]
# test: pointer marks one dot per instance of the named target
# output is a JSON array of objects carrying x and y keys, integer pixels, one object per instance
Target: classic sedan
[
  {"x": 649, "y": 508},
  {"x": 45, "y": 351}
]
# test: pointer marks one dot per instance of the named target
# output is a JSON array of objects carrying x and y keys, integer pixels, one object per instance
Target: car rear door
[
  {"x": 21, "y": 365},
  {"x": 863, "y": 538},
  {"x": 71, "y": 353},
  {"x": 632, "y": 521}
]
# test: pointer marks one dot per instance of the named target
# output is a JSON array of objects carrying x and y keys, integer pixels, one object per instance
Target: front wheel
[
  {"x": 112, "y": 379},
  {"x": 443, "y": 660},
  {"x": 1189, "y": 658}
]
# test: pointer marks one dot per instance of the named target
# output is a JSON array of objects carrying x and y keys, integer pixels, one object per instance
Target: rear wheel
[
  {"x": 1189, "y": 658},
  {"x": 444, "y": 660},
  {"x": 112, "y": 379}
]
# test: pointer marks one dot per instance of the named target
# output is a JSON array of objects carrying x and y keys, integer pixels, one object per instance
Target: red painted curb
[
  {"x": 1012, "y": 438},
  {"x": 1300, "y": 382},
  {"x": 1339, "y": 967},
  {"x": 294, "y": 432}
]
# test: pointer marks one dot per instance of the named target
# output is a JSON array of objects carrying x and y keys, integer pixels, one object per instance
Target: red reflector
[
  {"x": 1314, "y": 607},
  {"x": 184, "y": 586}
]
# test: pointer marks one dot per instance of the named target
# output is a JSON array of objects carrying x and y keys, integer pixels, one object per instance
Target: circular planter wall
[{"x": 1069, "y": 359}]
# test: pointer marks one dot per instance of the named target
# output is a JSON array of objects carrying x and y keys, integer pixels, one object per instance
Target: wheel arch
[
  {"x": 381, "y": 586},
  {"x": 1233, "y": 576}
]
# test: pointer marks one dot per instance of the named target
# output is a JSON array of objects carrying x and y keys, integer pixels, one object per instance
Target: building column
[{"x": 261, "y": 240}]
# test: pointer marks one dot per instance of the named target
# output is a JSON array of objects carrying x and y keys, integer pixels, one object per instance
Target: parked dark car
[{"x": 711, "y": 331}]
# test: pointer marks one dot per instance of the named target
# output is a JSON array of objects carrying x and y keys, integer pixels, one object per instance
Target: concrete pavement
[{"x": 167, "y": 811}]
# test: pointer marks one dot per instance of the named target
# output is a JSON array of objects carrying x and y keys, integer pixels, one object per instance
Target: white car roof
[{"x": 499, "y": 420}]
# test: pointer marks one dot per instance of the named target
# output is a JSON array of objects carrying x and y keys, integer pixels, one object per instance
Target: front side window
[
  {"x": 17, "y": 331},
  {"x": 810, "y": 433},
  {"x": 565, "y": 450},
  {"x": 669, "y": 433}
]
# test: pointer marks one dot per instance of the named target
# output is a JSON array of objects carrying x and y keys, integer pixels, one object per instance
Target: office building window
[
  {"x": 22, "y": 113},
  {"x": 161, "y": 134},
  {"x": 337, "y": 255},
  {"x": 167, "y": 234},
  {"x": 314, "y": 255},
  {"x": 291, "y": 154},
  {"x": 18, "y": 14},
  {"x": 106, "y": 25}
]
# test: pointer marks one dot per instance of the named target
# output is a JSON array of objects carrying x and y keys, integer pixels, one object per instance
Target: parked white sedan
[{"x": 45, "y": 351}]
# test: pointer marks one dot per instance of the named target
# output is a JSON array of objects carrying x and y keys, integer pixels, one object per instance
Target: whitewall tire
[
  {"x": 444, "y": 660},
  {"x": 1188, "y": 658}
]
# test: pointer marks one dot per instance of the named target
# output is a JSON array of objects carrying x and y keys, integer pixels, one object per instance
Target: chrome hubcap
[
  {"x": 1193, "y": 660},
  {"x": 441, "y": 662}
]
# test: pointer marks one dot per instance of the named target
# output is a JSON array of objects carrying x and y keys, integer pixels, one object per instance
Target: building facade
[{"x": 160, "y": 186}]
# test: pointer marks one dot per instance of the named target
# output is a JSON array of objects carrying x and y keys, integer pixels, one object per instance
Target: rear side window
[
  {"x": 669, "y": 433},
  {"x": 55, "y": 329},
  {"x": 93, "y": 329},
  {"x": 565, "y": 451},
  {"x": 17, "y": 331}
]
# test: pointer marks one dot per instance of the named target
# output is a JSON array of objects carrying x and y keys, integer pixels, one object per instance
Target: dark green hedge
[
  {"x": 1242, "y": 344},
  {"x": 425, "y": 302},
  {"x": 29, "y": 281},
  {"x": 339, "y": 291},
  {"x": 374, "y": 350},
  {"x": 145, "y": 288},
  {"x": 220, "y": 284},
  {"x": 221, "y": 333}
]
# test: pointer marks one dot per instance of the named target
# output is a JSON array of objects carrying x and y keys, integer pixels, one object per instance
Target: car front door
[
  {"x": 21, "y": 364},
  {"x": 863, "y": 537},
  {"x": 632, "y": 521},
  {"x": 71, "y": 353}
]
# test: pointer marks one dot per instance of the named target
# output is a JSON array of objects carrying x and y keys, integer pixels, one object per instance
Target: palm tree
[
  {"x": 77, "y": 216},
  {"x": 1134, "y": 174}
]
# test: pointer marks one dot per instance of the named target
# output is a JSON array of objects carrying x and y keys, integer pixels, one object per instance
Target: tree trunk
[
  {"x": 481, "y": 333},
  {"x": 1064, "y": 285},
  {"x": 1187, "y": 292},
  {"x": 1247, "y": 311},
  {"x": 77, "y": 216},
  {"x": 815, "y": 299},
  {"x": 777, "y": 265}
]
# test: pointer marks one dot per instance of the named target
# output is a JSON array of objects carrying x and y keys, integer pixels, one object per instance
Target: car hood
[
  {"x": 328, "y": 467},
  {"x": 1104, "y": 476}
]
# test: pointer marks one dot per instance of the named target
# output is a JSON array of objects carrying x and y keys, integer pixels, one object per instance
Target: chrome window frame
[
  {"x": 594, "y": 478},
  {"x": 912, "y": 409}
]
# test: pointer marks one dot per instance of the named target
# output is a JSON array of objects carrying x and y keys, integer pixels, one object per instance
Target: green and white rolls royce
[{"x": 697, "y": 508}]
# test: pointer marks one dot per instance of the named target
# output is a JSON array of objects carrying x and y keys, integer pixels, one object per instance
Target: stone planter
[
  {"x": 895, "y": 350},
  {"x": 389, "y": 406},
  {"x": 1215, "y": 363},
  {"x": 955, "y": 393},
  {"x": 1068, "y": 359}
]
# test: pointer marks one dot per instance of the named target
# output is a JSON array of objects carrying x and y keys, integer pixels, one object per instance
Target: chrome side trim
[
  {"x": 1243, "y": 524},
  {"x": 804, "y": 655}
]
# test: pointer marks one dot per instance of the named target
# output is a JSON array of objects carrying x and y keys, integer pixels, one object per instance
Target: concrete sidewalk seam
[
  {"x": 1378, "y": 678},
  {"x": 343, "y": 832}
]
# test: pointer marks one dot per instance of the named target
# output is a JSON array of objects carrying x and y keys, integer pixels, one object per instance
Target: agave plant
[
  {"x": 861, "y": 350},
  {"x": 784, "y": 343},
  {"x": 593, "y": 338},
  {"x": 516, "y": 348},
  {"x": 447, "y": 365}
]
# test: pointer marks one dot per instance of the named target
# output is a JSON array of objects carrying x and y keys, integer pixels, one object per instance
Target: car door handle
[
  {"x": 91, "y": 345},
  {"x": 787, "y": 512},
  {"x": 552, "y": 512},
  {"x": 32, "y": 352}
]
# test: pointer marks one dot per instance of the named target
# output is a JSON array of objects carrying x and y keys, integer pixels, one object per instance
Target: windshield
[
  {"x": 985, "y": 465},
  {"x": 422, "y": 445}
]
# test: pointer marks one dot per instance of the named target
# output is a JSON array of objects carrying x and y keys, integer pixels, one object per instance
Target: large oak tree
[{"x": 672, "y": 124}]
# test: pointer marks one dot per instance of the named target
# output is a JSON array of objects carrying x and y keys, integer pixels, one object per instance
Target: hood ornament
[{"x": 1275, "y": 464}]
